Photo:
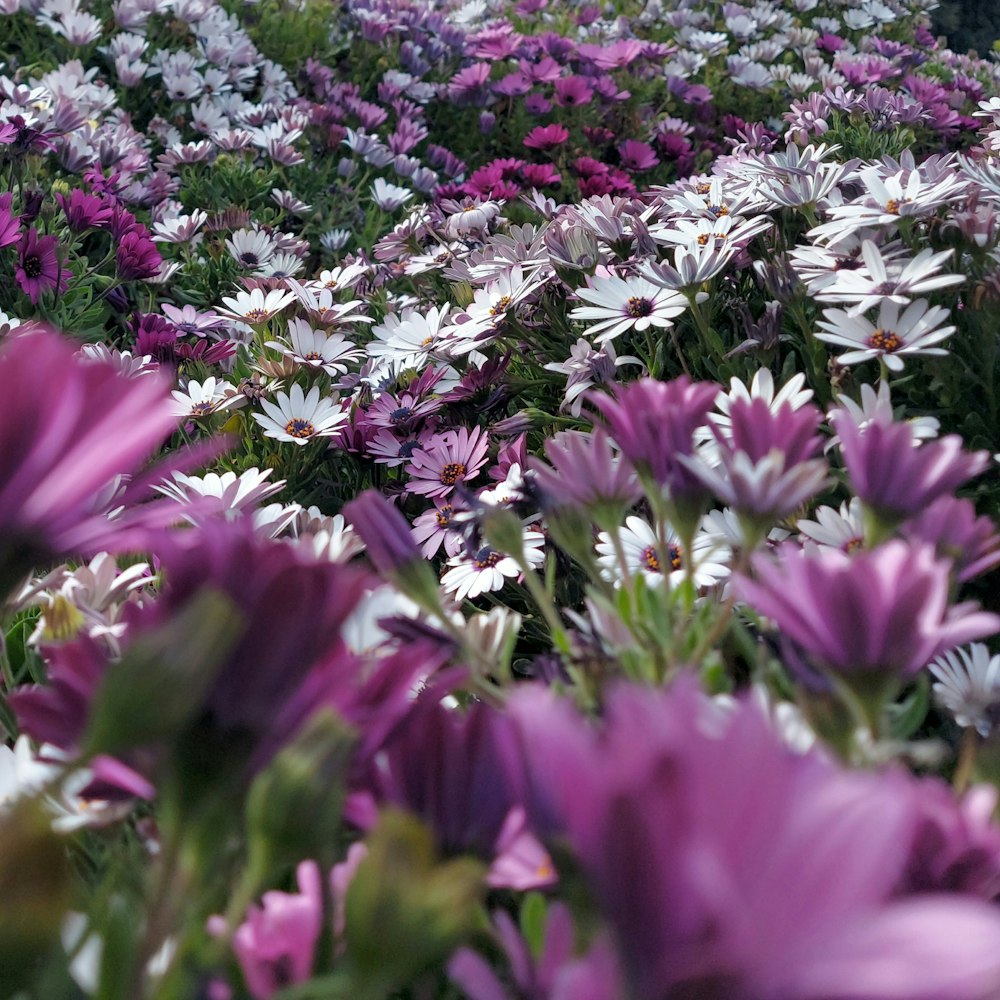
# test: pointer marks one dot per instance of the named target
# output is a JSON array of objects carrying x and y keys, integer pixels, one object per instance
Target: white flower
[
  {"x": 388, "y": 196},
  {"x": 622, "y": 304},
  {"x": 481, "y": 572},
  {"x": 233, "y": 492},
  {"x": 251, "y": 248},
  {"x": 842, "y": 529},
  {"x": 878, "y": 406},
  {"x": 300, "y": 418},
  {"x": 254, "y": 307},
  {"x": 915, "y": 331},
  {"x": 202, "y": 399},
  {"x": 968, "y": 685},
  {"x": 642, "y": 553},
  {"x": 409, "y": 338},
  {"x": 315, "y": 349}
]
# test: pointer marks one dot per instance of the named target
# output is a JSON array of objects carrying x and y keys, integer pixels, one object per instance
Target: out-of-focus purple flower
[
  {"x": 893, "y": 476},
  {"x": 275, "y": 945},
  {"x": 385, "y": 532},
  {"x": 546, "y": 137},
  {"x": 950, "y": 524},
  {"x": 67, "y": 429},
  {"x": 768, "y": 463},
  {"x": 585, "y": 471},
  {"x": 572, "y": 92},
  {"x": 637, "y": 156},
  {"x": 556, "y": 974},
  {"x": 883, "y": 611},
  {"x": 653, "y": 423},
  {"x": 38, "y": 267},
  {"x": 136, "y": 256},
  {"x": 10, "y": 224},
  {"x": 793, "y": 902}
]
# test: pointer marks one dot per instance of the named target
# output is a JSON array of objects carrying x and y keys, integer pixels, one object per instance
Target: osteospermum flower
[
  {"x": 315, "y": 349},
  {"x": 202, "y": 399},
  {"x": 621, "y": 304},
  {"x": 295, "y": 416},
  {"x": 38, "y": 267},
  {"x": 914, "y": 331},
  {"x": 487, "y": 569},
  {"x": 455, "y": 457},
  {"x": 968, "y": 685},
  {"x": 255, "y": 307}
]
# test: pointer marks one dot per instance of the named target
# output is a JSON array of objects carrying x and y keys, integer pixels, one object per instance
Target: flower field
[{"x": 498, "y": 501}]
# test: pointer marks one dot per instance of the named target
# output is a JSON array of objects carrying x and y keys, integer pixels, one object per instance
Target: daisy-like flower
[
  {"x": 255, "y": 307},
  {"x": 388, "y": 196},
  {"x": 968, "y": 685},
  {"x": 315, "y": 349},
  {"x": 233, "y": 492},
  {"x": 876, "y": 283},
  {"x": 692, "y": 267},
  {"x": 914, "y": 331},
  {"x": 586, "y": 368},
  {"x": 251, "y": 248},
  {"x": 487, "y": 569},
  {"x": 38, "y": 266},
  {"x": 410, "y": 337},
  {"x": 621, "y": 304},
  {"x": 436, "y": 527},
  {"x": 298, "y": 417},
  {"x": 642, "y": 553},
  {"x": 820, "y": 267},
  {"x": 716, "y": 233},
  {"x": 877, "y": 405},
  {"x": 842, "y": 529},
  {"x": 483, "y": 321},
  {"x": 455, "y": 457},
  {"x": 323, "y": 307},
  {"x": 202, "y": 399}
]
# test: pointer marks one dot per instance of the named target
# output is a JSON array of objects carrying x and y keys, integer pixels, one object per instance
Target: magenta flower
[
  {"x": 572, "y": 92},
  {"x": 384, "y": 531},
  {"x": 653, "y": 423},
  {"x": 883, "y": 611},
  {"x": 546, "y": 137},
  {"x": 275, "y": 945},
  {"x": 796, "y": 901},
  {"x": 950, "y": 524},
  {"x": 67, "y": 429},
  {"x": 38, "y": 268},
  {"x": 637, "y": 156},
  {"x": 136, "y": 256},
  {"x": 768, "y": 464},
  {"x": 10, "y": 224},
  {"x": 453, "y": 458},
  {"x": 895, "y": 477},
  {"x": 84, "y": 211}
]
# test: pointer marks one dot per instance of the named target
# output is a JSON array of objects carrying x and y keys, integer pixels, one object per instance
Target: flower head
[{"x": 38, "y": 267}]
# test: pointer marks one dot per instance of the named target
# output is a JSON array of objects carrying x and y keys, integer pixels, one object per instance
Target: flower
[
  {"x": 950, "y": 524},
  {"x": 453, "y": 458},
  {"x": 276, "y": 943},
  {"x": 201, "y": 399},
  {"x": 895, "y": 477},
  {"x": 895, "y": 335},
  {"x": 136, "y": 256},
  {"x": 622, "y": 304},
  {"x": 968, "y": 685},
  {"x": 486, "y": 569},
  {"x": 10, "y": 224},
  {"x": 880, "y": 611},
  {"x": 254, "y": 307},
  {"x": 251, "y": 248},
  {"x": 38, "y": 266},
  {"x": 68, "y": 427},
  {"x": 298, "y": 417},
  {"x": 233, "y": 493},
  {"x": 316, "y": 349},
  {"x": 796, "y": 901}
]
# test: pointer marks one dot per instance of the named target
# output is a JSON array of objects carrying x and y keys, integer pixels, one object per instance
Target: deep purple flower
[
  {"x": 637, "y": 156},
  {"x": 10, "y": 224},
  {"x": 795, "y": 901},
  {"x": 136, "y": 256},
  {"x": 84, "y": 211},
  {"x": 883, "y": 611},
  {"x": 892, "y": 475},
  {"x": 950, "y": 524},
  {"x": 384, "y": 531},
  {"x": 653, "y": 423},
  {"x": 38, "y": 267},
  {"x": 67, "y": 429}
]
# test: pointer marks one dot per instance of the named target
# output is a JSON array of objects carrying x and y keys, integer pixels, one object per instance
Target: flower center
[
  {"x": 202, "y": 409},
  {"x": 652, "y": 561},
  {"x": 892, "y": 206},
  {"x": 486, "y": 558},
  {"x": 401, "y": 415},
  {"x": 452, "y": 473},
  {"x": 637, "y": 307},
  {"x": 885, "y": 340},
  {"x": 255, "y": 315},
  {"x": 32, "y": 266},
  {"x": 299, "y": 428},
  {"x": 443, "y": 515},
  {"x": 248, "y": 259},
  {"x": 500, "y": 306}
]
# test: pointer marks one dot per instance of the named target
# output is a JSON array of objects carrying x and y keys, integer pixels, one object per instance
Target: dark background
[{"x": 968, "y": 25}]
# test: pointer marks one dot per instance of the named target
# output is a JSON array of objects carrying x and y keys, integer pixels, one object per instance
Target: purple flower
[
  {"x": 952, "y": 527},
  {"x": 384, "y": 531},
  {"x": 653, "y": 423},
  {"x": 10, "y": 224},
  {"x": 883, "y": 611},
  {"x": 275, "y": 945},
  {"x": 572, "y": 92},
  {"x": 892, "y": 475},
  {"x": 136, "y": 256},
  {"x": 67, "y": 429},
  {"x": 84, "y": 211},
  {"x": 795, "y": 901},
  {"x": 38, "y": 267},
  {"x": 637, "y": 156},
  {"x": 546, "y": 137}
]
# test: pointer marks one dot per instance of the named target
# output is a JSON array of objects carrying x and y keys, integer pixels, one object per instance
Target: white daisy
[
  {"x": 487, "y": 569},
  {"x": 254, "y": 307},
  {"x": 968, "y": 685},
  {"x": 388, "y": 196},
  {"x": 842, "y": 529},
  {"x": 409, "y": 337},
  {"x": 915, "y": 331},
  {"x": 315, "y": 349},
  {"x": 297, "y": 417},
  {"x": 202, "y": 399},
  {"x": 621, "y": 304},
  {"x": 233, "y": 492},
  {"x": 251, "y": 248},
  {"x": 877, "y": 405},
  {"x": 642, "y": 554}
]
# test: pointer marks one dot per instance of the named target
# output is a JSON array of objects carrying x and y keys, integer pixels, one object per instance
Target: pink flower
[
  {"x": 276, "y": 943},
  {"x": 456, "y": 457},
  {"x": 546, "y": 137},
  {"x": 573, "y": 92},
  {"x": 637, "y": 155},
  {"x": 38, "y": 267}
]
